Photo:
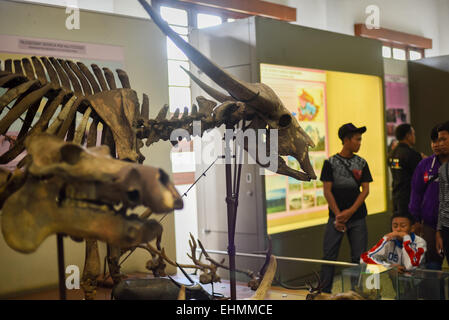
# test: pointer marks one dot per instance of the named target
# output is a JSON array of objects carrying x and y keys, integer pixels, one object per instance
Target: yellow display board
[{"x": 349, "y": 97}]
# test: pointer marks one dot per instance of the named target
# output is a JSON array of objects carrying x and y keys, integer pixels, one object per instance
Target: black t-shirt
[
  {"x": 344, "y": 186},
  {"x": 402, "y": 162}
]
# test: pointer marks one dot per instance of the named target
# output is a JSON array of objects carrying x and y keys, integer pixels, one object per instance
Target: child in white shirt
[{"x": 400, "y": 248}]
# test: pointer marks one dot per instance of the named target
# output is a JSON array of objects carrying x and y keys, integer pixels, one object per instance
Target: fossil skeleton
[
  {"x": 66, "y": 169},
  {"x": 66, "y": 88},
  {"x": 55, "y": 171}
]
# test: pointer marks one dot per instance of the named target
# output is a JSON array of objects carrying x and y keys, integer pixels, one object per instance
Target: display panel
[
  {"x": 303, "y": 92},
  {"x": 322, "y": 101},
  {"x": 18, "y": 48},
  {"x": 397, "y": 104}
]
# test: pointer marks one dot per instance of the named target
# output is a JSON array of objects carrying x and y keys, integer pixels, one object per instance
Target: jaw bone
[
  {"x": 72, "y": 190},
  {"x": 35, "y": 212}
]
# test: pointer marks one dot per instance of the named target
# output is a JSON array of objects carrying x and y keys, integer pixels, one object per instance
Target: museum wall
[
  {"x": 443, "y": 21},
  {"x": 429, "y": 99},
  {"x": 424, "y": 18},
  {"x": 145, "y": 62},
  {"x": 395, "y": 67}
]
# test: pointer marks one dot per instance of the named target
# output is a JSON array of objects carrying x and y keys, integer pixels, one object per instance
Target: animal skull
[
  {"x": 84, "y": 193},
  {"x": 261, "y": 102}
]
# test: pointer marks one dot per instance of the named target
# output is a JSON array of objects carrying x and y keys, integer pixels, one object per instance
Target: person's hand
[
  {"x": 396, "y": 235},
  {"x": 344, "y": 216},
  {"x": 418, "y": 228},
  {"x": 401, "y": 269},
  {"x": 439, "y": 243},
  {"x": 339, "y": 226}
]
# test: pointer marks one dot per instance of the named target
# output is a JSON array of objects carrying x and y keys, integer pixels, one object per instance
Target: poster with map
[{"x": 303, "y": 92}]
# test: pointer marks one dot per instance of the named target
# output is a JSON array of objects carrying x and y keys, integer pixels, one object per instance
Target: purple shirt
[{"x": 425, "y": 190}]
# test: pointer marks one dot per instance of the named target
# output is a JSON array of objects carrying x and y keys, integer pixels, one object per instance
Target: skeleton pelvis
[{"x": 42, "y": 207}]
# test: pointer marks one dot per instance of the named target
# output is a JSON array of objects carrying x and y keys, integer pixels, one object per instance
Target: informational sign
[
  {"x": 17, "y": 48},
  {"x": 303, "y": 92}
]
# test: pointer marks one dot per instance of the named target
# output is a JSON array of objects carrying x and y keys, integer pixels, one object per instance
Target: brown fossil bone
[
  {"x": 265, "y": 283},
  {"x": 65, "y": 89},
  {"x": 315, "y": 293},
  {"x": 259, "y": 100},
  {"x": 86, "y": 194}
]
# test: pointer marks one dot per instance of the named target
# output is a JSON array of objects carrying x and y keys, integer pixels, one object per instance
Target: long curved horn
[
  {"x": 265, "y": 284},
  {"x": 217, "y": 95},
  {"x": 238, "y": 89}
]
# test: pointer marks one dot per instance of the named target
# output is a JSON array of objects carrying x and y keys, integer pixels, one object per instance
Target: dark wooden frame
[{"x": 395, "y": 39}]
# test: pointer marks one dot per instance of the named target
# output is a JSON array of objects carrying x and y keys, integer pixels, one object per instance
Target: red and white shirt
[{"x": 408, "y": 253}]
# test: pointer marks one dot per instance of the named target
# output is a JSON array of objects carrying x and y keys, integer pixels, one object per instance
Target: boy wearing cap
[{"x": 343, "y": 175}]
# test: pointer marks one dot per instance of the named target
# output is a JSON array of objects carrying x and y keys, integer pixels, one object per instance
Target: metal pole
[
  {"x": 61, "y": 266},
  {"x": 231, "y": 214}
]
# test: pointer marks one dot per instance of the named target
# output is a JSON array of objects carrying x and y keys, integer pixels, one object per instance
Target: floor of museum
[{"x": 242, "y": 292}]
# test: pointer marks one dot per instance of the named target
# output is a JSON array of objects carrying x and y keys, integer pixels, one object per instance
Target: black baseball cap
[{"x": 349, "y": 128}]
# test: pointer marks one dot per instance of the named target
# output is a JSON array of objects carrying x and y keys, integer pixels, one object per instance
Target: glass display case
[
  {"x": 373, "y": 281},
  {"x": 297, "y": 278},
  {"x": 422, "y": 284},
  {"x": 382, "y": 283}
]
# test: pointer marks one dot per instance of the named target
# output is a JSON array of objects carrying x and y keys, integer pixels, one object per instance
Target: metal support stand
[
  {"x": 61, "y": 266},
  {"x": 232, "y": 195}
]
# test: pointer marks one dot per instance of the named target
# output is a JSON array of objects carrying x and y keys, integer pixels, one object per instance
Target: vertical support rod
[
  {"x": 61, "y": 266},
  {"x": 231, "y": 213}
]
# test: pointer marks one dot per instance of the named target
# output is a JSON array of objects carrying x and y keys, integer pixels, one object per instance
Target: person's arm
[
  {"x": 327, "y": 177},
  {"x": 417, "y": 192},
  {"x": 365, "y": 179},
  {"x": 327, "y": 188},
  {"x": 438, "y": 237},
  {"x": 376, "y": 255},
  {"x": 412, "y": 252},
  {"x": 346, "y": 214},
  {"x": 413, "y": 160}
]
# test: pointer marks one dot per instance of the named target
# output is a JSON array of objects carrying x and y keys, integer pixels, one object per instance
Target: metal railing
[{"x": 251, "y": 255}]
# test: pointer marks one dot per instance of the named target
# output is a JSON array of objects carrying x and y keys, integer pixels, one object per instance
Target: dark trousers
[
  {"x": 433, "y": 259},
  {"x": 445, "y": 236},
  {"x": 400, "y": 204},
  {"x": 358, "y": 237}
]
